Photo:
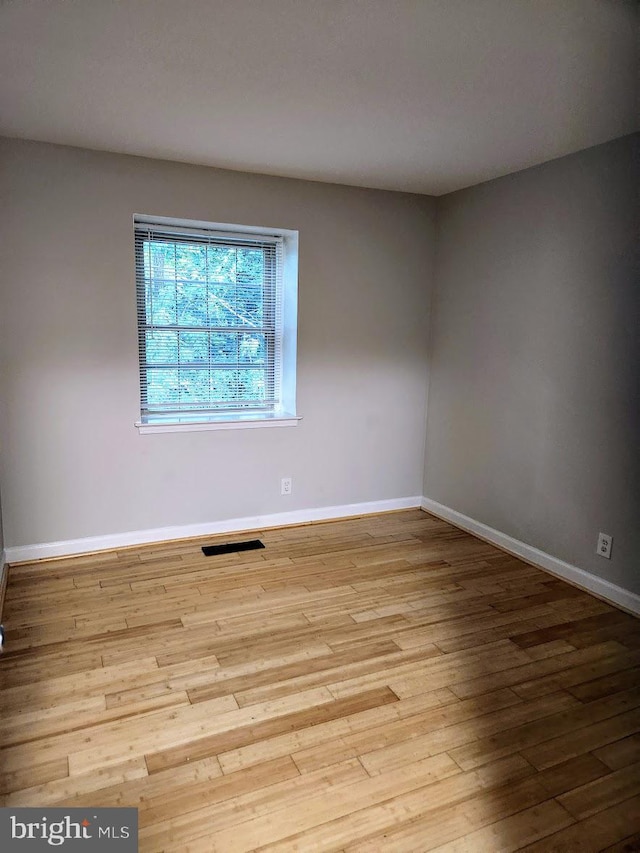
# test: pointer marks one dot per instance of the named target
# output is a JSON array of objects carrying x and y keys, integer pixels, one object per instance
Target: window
[{"x": 216, "y": 325}]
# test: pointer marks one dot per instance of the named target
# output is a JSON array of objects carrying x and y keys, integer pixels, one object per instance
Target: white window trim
[
  {"x": 256, "y": 421},
  {"x": 286, "y": 415}
]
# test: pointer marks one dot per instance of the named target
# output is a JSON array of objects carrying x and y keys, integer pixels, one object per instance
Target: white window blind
[{"x": 210, "y": 328}]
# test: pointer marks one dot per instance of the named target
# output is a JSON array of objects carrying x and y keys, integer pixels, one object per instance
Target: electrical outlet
[
  {"x": 286, "y": 485},
  {"x": 604, "y": 545}
]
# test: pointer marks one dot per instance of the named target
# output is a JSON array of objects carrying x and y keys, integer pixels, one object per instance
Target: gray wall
[
  {"x": 2, "y": 411},
  {"x": 73, "y": 465},
  {"x": 534, "y": 418},
  {"x": 533, "y": 404}
]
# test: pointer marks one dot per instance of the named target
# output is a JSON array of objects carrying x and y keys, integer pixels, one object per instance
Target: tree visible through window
[{"x": 209, "y": 322}]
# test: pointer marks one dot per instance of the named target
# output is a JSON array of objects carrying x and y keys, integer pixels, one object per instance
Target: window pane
[
  {"x": 194, "y": 386},
  {"x": 191, "y": 262},
  {"x": 224, "y": 347},
  {"x": 252, "y": 384},
  {"x": 192, "y": 303},
  {"x": 222, "y": 310},
  {"x": 163, "y": 303},
  {"x": 162, "y": 347},
  {"x": 249, "y": 306},
  {"x": 224, "y": 385},
  {"x": 250, "y": 266},
  {"x": 221, "y": 264},
  {"x": 194, "y": 346},
  {"x": 162, "y": 387},
  {"x": 159, "y": 259},
  {"x": 252, "y": 348}
]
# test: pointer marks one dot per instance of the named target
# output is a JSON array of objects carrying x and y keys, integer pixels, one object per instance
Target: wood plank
[
  {"x": 602, "y": 793},
  {"x": 620, "y": 753},
  {"x": 566, "y": 730},
  {"x": 536, "y": 822},
  {"x": 64, "y": 789},
  {"x": 285, "y": 821},
  {"x": 630, "y": 844},
  {"x": 434, "y": 810},
  {"x": 450, "y": 821},
  {"x": 322, "y": 733},
  {"x": 585, "y": 739},
  {"x": 451, "y": 737},
  {"x": 572, "y": 773},
  {"x": 595, "y": 833},
  {"x": 268, "y": 728},
  {"x": 33, "y": 775}
]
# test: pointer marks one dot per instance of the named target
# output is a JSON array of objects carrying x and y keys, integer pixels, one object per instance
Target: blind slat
[{"x": 209, "y": 307}]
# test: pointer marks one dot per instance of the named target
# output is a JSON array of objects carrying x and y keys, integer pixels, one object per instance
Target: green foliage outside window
[{"x": 207, "y": 328}]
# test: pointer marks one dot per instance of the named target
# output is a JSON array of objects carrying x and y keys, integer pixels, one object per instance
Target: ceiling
[{"x": 427, "y": 96}]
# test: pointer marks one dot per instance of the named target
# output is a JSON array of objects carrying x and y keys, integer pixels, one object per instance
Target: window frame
[{"x": 279, "y": 408}]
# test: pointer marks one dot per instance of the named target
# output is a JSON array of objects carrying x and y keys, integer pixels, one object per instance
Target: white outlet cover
[
  {"x": 286, "y": 486},
  {"x": 604, "y": 545}
]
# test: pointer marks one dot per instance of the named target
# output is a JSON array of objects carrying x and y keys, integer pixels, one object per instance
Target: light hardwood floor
[{"x": 387, "y": 683}]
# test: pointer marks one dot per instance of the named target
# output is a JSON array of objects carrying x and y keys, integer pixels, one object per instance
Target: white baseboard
[
  {"x": 90, "y": 544},
  {"x": 579, "y": 577}
]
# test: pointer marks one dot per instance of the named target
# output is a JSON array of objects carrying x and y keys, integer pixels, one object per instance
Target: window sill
[{"x": 222, "y": 422}]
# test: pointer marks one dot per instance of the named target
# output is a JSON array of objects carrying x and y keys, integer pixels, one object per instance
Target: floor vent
[{"x": 231, "y": 547}]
